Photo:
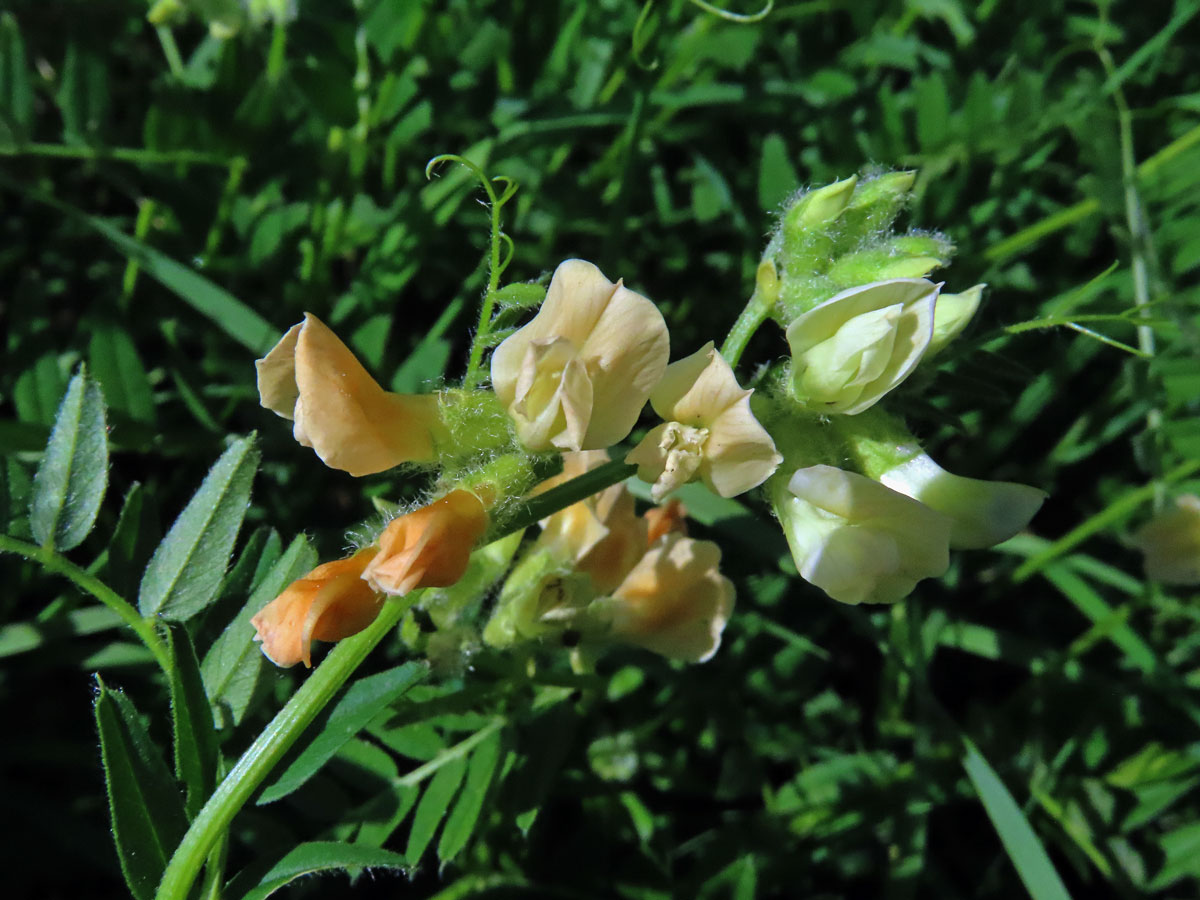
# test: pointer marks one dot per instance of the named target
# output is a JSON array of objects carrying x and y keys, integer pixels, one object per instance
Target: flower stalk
[{"x": 214, "y": 819}]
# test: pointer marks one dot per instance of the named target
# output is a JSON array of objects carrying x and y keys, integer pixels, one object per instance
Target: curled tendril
[
  {"x": 510, "y": 185},
  {"x": 500, "y": 242},
  {"x": 512, "y": 249},
  {"x": 743, "y": 18},
  {"x": 510, "y": 188},
  {"x": 640, "y": 42}
]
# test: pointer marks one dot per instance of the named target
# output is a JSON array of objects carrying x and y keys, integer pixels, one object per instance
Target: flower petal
[
  {"x": 329, "y": 603},
  {"x": 577, "y": 296},
  {"x": 277, "y": 389},
  {"x": 626, "y": 355},
  {"x": 346, "y": 417},
  {"x": 982, "y": 513},
  {"x": 740, "y": 454},
  {"x": 429, "y": 547},
  {"x": 674, "y": 602}
]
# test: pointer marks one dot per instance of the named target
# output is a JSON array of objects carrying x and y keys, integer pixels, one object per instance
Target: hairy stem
[
  {"x": 54, "y": 562},
  {"x": 213, "y": 821}
]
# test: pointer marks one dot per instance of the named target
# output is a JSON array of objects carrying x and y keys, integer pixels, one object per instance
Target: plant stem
[
  {"x": 1107, "y": 516},
  {"x": 560, "y": 497},
  {"x": 119, "y": 154},
  {"x": 212, "y": 822},
  {"x": 54, "y": 562},
  {"x": 758, "y": 308},
  {"x": 489, "y": 300},
  {"x": 462, "y": 748},
  {"x": 748, "y": 322}
]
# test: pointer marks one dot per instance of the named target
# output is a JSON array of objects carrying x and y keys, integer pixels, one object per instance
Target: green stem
[
  {"x": 489, "y": 297},
  {"x": 170, "y": 51},
  {"x": 212, "y": 822},
  {"x": 1141, "y": 250},
  {"x": 53, "y": 562},
  {"x": 119, "y": 154},
  {"x": 1113, "y": 513},
  {"x": 758, "y": 308},
  {"x": 459, "y": 750},
  {"x": 751, "y": 318},
  {"x": 537, "y": 508}
]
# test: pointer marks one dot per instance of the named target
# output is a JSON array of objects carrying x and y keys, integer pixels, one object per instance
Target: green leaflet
[
  {"x": 433, "y": 806},
  {"x": 191, "y": 716},
  {"x": 322, "y": 856},
  {"x": 232, "y": 666},
  {"x": 73, "y": 474},
  {"x": 186, "y": 570},
  {"x": 463, "y": 818},
  {"x": 147, "y": 813},
  {"x": 362, "y": 701},
  {"x": 1023, "y": 846}
]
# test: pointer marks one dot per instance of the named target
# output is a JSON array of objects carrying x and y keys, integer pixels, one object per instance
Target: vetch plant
[{"x": 526, "y": 542}]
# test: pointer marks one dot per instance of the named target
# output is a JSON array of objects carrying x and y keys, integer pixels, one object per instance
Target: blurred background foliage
[{"x": 176, "y": 193}]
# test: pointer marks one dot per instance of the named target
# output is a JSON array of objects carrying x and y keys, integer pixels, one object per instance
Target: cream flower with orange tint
[
  {"x": 329, "y": 603},
  {"x": 674, "y": 602},
  {"x": 577, "y": 376},
  {"x": 339, "y": 410},
  {"x": 428, "y": 547},
  {"x": 670, "y": 518},
  {"x": 601, "y": 536},
  {"x": 709, "y": 433}
]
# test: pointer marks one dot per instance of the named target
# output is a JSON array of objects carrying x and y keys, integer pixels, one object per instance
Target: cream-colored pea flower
[
  {"x": 709, "y": 433},
  {"x": 856, "y": 540},
  {"x": 982, "y": 513},
  {"x": 856, "y": 346},
  {"x": 602, "y": 536},
  {"x": 339, "y": 410},
  {"x": 577, "y": 376},
  {"x": 674, "y": 602},
  {"x": 1170, "y": 543}
]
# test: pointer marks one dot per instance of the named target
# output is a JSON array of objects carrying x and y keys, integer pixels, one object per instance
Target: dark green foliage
[{"x": 174, "y": 200}]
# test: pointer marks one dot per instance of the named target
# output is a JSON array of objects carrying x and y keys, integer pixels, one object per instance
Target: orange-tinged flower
[
  {"x": 674, "y": 602},
  {"x": 669, "y": 518},
  {"x": 429, "y": 547},
  {"x": 601, "y": 536},
  {"x": 339, "y": 410},
  {"x": 329, "y": 603}
]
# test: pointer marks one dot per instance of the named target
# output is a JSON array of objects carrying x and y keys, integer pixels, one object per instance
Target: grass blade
[{"x": 1024, "y": 849}]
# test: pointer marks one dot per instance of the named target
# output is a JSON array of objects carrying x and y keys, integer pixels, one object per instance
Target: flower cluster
[{"x": 866, "y": 513}]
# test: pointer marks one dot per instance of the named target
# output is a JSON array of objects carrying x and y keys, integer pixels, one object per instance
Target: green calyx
[{"x": 841, "y": 236}]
